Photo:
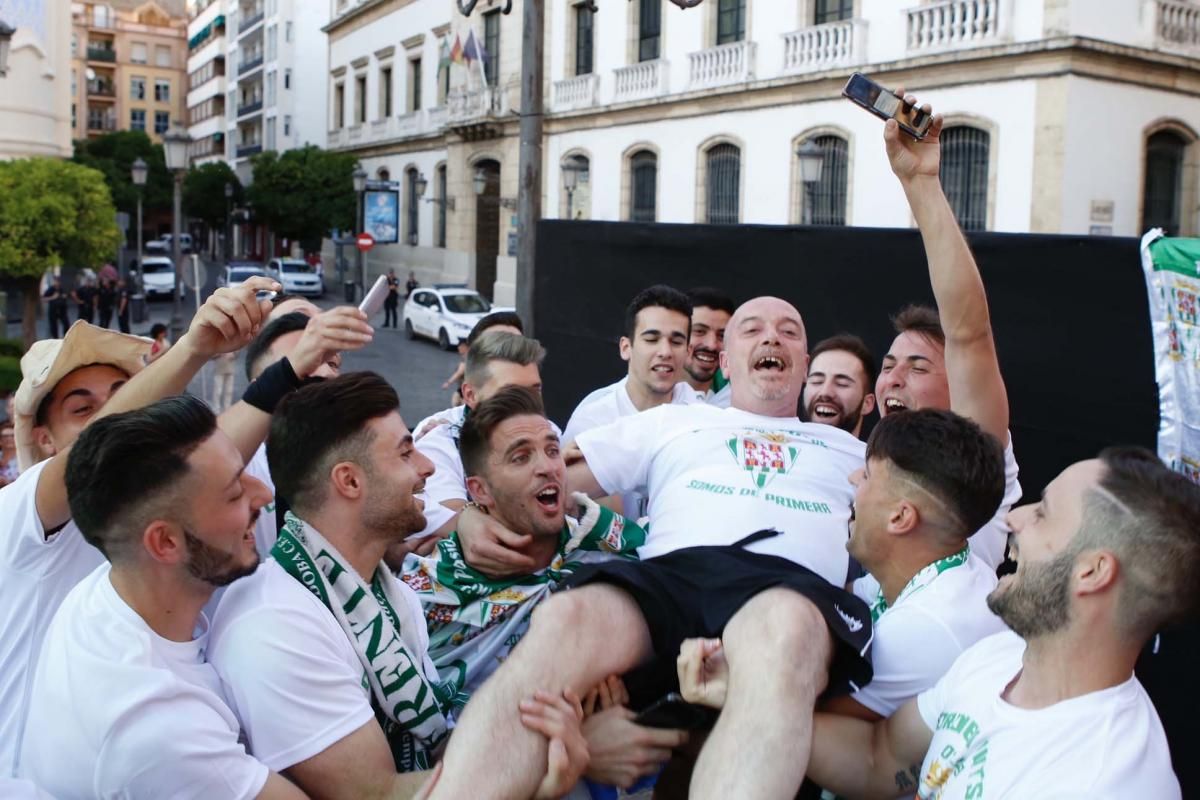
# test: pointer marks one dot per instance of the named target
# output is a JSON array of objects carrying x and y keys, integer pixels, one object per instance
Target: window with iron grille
[
  {"x": 731, "y": 21},
  {"x": 643, "y": 186},
  {"x": 583, "y": 40},
  {"x": 441, "y": 205},
  {"x": 411, "y": 224},
  {"x": 723, "y": 166},
  {"x": 832, "y": 11},
  {"x": 649, "y": 29},
  {"x": 1162, "y": 195},
  {"x": 964, "y": 174},
  {"x": 826, "y": 198},
  {"x": 491, "y": 43}
]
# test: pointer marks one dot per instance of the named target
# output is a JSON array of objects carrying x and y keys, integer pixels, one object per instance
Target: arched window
[
  {"x": 1162, "y": 196},
  {"x": 410, "y": 226},
  {"x": 825, "y": 199},
  {"x": 964, "y": 173},
  {"x": 723, "y": 165},
  {"x": 643, "y": 186}
]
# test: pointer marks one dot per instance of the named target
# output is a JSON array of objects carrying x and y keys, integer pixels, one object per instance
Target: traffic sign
[{"x": 365, "y": 241}]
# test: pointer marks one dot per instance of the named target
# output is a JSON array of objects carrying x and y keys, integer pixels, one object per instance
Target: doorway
[{"x": 487, "y": 227}]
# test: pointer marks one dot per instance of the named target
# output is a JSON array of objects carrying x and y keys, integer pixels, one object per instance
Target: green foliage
[
  {"x": 53, "y": 213},
  {"x": 303, "y": 194},
  {"x": 10, "y": 374},
  {"x": 11, "y": 348},
  {"x": 204, "y": 192},
  {"x": 113, "y": 155}
]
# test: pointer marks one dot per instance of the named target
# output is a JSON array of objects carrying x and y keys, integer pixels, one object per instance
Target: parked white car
[
  {"x": 446, "y": 314},
  {"x": 185, "y": 242},
  {"x": 238, "y": 272},
  {"x": 158, "y": 276},
  {"x": 296, "y": 276}
]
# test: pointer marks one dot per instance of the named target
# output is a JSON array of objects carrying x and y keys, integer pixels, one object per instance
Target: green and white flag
[
  {"x": 474, "y": 621},
  {"x": 1172, "y": 268}
]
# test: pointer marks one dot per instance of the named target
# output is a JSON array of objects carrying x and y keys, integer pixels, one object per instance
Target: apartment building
[
  {"x": 36, "y": 91},
  {"x": 128, "y": 66},
  {"x": 207, "y": 44}
]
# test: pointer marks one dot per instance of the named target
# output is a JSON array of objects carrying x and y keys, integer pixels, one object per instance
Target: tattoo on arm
[{"x": 908, "y": 781}]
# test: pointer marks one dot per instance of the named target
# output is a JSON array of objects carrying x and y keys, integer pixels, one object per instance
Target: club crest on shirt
[{"x": 764, "y": 456}]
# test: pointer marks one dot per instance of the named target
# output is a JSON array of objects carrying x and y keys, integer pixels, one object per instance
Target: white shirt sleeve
[
  {"x": 910, "y": 653},
  {"x": 21, "y": 528},
  {"x": 290, "y": 682},
  {"x": 177, "y": 747},
  {"x": 448, "y": 481},
  {"x": 619, "y": 454}
]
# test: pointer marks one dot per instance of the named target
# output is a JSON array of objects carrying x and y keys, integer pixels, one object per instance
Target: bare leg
[
  {"x": 778, "y": 649},
  {"x": 576, "y": 639}
]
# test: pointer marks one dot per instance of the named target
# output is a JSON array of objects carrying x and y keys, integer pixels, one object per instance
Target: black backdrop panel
[{"x": 1070, "y": 314}]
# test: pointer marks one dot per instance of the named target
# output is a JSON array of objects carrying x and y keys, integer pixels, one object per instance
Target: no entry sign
[{"x": 365, "y": 241}]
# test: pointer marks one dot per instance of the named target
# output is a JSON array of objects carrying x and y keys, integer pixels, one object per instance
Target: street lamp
[
  {"x": 228, "y": 223},
  {"x": 812, "y": 157},
  {"x": 480, "y": 181},
  {"x": 359, "y": 176},
  {"x": 421, "y": 184},
  {"x": 175, "y": 147},
  {"x": 571, "y": 170},
  {"x": 138, "y": 172},
  {"x": 6, "y": 35}
]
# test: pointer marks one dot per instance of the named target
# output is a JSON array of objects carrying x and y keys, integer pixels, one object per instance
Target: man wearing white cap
[{"x": 67, "y": 383}]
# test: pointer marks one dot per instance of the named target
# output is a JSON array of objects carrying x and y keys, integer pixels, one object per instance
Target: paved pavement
[{"x": 416, "y": 368}]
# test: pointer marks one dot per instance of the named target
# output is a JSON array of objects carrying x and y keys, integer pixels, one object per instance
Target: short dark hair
[
  {"x": 288, "y": 323},
  {"x": 1149, "y": 515},
  {"x": 122, "y": 469},
  {"x": 708, "y": 297},
  {"x": 657, "y": 296},
  {"x": 474, "y": 441},
  {"x": 156, "y": 329},
  {"x": 283, "y": 297},
  {"x": 950, "y": 456},
  {"x": 320, "y": 424},
  {"x": 493, "y": 320},
  {"x": 853, "y": 345},
  {"x": 922, "y": 320}
]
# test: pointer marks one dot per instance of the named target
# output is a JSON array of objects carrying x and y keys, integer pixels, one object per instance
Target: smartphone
[
  {"x": 881, "y": 102},
  {"x": 672, "y": 711},
  {"x": 372, "y": 304}
]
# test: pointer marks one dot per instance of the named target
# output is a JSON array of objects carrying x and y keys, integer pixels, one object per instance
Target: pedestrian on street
[
  {"x": 105, "y": 300},
  {"x": 392, "y": 300},
  {"x": 123, "y": 299},
  {"x": 84, "y": 295},
  {"x": 411, "y": 286},
  {"x": 56, "y": 309},
  {"x": 223, "y": 369}
]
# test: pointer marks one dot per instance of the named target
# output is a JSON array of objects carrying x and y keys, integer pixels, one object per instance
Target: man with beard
[
  {"x": 1051, "y": 709},
  {"x": 123, "y": 703},
  {"x": 838, "y": 389},
  {"x": 711, "y": 310},
  {"x": 339, "y": 711},
  {"x": 749, "y": 510}
]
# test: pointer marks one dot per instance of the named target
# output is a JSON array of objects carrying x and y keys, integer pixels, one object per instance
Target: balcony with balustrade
[
  {"x": 251, "y": 106},
  {"x": 249, "y": 63},
  {"x": 723, "y": 65},
  {"x": 947, "y": 25},
  {"x": 572, "y": 94},
  {"x": 247, "y": 150},
  {"x": 474, "y": 113},
  {"x": 1177, "y": 26},
  {"x": 101, "y": 52},
  {"x": 414, "y": 125},
  {"x": 101, "y": 90},
  {"x": 642, "y": 81},
  {"x": 248, "y": 18},
  {"x": 832, "y": 45}
]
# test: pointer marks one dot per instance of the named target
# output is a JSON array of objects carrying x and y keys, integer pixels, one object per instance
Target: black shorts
[{"x": 694, "y": 592}]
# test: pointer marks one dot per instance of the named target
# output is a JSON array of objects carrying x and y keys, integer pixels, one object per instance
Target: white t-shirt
[
  {"x": 929, "y": 626},
  {"x": 289, "y": 670},
  {"x": 714, "y": 476},
  {"x": 449, "y": 479},
  {"x": 1106, "y": 744},
  {"x": 35, "y": 575},
  {"x": 609, "y": 404},
  {"x": 990, "y": 541},
  {"x": 447, "y": 416},
  {"x": 720, "y": 399},
  {"x": 117, "y": 711}
]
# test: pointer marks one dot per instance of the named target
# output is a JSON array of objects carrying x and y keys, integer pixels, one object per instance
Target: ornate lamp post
[
  {"x": 812, "y": 157},
  {"x": 175, "y": 147}
]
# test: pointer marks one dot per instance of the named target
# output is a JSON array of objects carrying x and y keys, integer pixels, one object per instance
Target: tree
[
  {"x": 204, "y": 192},
  {"x": 303, "y": 194},
  {"x": 53, "y": 213},
  {"x": 113, "y": 155}
]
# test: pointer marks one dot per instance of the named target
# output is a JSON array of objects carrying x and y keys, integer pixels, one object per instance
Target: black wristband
[{"x": 276, "y": 382}]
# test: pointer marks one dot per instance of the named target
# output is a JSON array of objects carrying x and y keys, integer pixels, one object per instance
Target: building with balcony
[
  {"x": 36, "y": 92},
  {"x": 275, "y": 63},
  {"x": 128, "y": 60},
  {"x": 206, "y": 81}
]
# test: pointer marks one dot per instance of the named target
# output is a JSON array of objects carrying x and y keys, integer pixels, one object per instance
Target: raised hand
[
  {"x": 913, "y": 158},
  {"x": 229, "y": 318},
  {"x": 492, "y": 548},
  {"x": 327, "y": 335},
  {"x": 558, "y": 717},
  {"x": 703, "y": 672},
  {"x": 620, "y": 751}
]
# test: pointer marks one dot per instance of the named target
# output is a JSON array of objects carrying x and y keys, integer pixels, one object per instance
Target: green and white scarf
[
  {"x": 474, "y": 622},
  {"x": 923, "y": 578},
  {"x": 407, "y": 704}
]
